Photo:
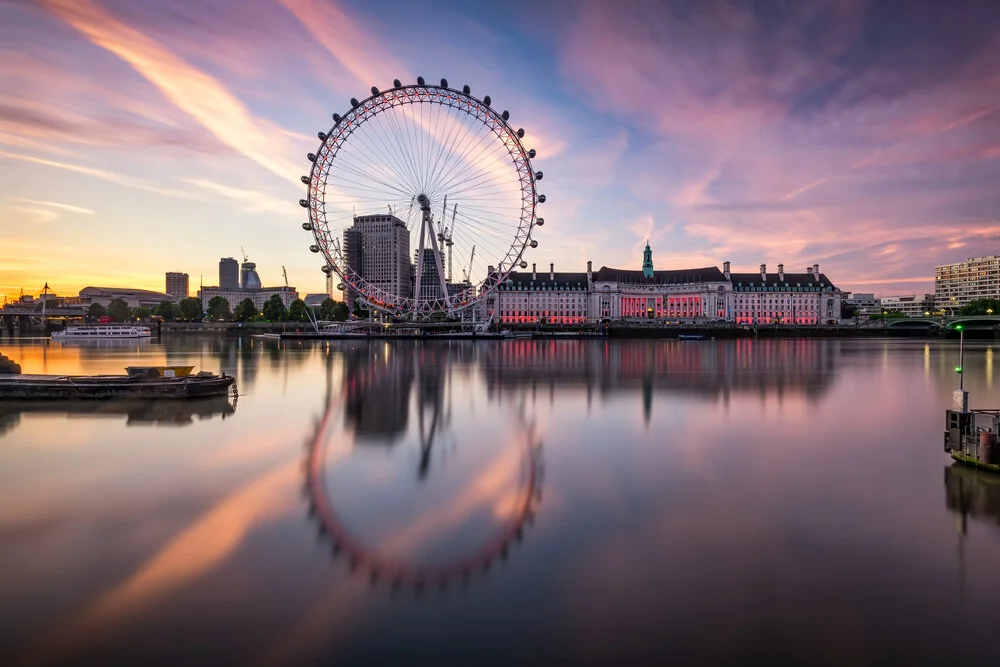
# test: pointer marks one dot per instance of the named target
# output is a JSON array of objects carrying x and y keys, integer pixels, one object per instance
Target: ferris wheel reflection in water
[{"x": 413, "y": 478}]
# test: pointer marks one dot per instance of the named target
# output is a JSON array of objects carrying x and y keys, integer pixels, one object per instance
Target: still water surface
[{"x": 520, "y": 502}]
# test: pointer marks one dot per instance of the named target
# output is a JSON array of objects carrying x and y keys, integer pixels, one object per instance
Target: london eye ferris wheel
[{"x": 422, "y": 199}]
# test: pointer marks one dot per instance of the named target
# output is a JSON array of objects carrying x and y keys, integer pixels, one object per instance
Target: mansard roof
[
  {"x": 563, "y": 280},
  {"x": 674, "y": 276},
  {"x": 753, "y": 281}
]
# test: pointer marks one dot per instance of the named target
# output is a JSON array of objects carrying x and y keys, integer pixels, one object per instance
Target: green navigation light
[
  {"x": 958, "y": 327},
  {"x": 958, "y": 369}
]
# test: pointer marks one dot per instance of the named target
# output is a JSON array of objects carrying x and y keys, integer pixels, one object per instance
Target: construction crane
[
  {"x": 469, "y": 272},
  {"x": 245, "y": 258},
  {"x": 283, "y": 271}
]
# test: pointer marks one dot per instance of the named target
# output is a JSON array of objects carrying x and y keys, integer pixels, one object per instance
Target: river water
[{"x": 518, "y": 502}]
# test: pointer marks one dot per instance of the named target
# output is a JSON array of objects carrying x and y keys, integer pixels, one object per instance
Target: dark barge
[{"x": 140, "y": 382}]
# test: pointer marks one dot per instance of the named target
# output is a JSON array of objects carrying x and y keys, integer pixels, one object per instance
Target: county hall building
[{"x": 675, "y": 295}]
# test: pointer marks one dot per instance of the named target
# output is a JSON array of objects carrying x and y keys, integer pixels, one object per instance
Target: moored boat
[
  {"x": 139, "y": 382},
  {"x": 105, "y": 332}
]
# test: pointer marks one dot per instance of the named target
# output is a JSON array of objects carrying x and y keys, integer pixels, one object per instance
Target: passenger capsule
[
  {"x": 354, "y": 102},
  {"x": 321, "y": 135},
  {"x": 523, "y": 264},
  {"x": 341, "y": 286},
  {"x": 374, "y": 90},
  {"x": 466, "y": 89},
  {"x": 336, "y": 118},
  {"x": 396, "y": 83},
  {"x": 534, "y": 243},
  {"x": 307, "y": 226},
  {"x": 538, "y": 175},
  {"x": 311, "y": 157},
  {"x": 539, "y": 221},
  {"x": 326, "y": 268},
  {"x": 531, "y": 153},
  {"x": 314, "y": 248},
  {"x": 444, "y": 83},
  {"x": 304, "y": 179},
  {"x": 420, "y": 80},
  {"x": 541, "y": 199},
  {"x": 520, "y": 133},
  {"x": 304, "y": 203},
  {"x": 487, "y": 101},
  {"x": 505, "y": 115}
]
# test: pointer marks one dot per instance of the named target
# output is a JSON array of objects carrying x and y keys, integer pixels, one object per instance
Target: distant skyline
[{"x": 140, "y": 137}]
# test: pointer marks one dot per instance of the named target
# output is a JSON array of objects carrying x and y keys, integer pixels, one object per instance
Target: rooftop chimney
[
  {"x": 725, "y": 270},
  {"x": 781, "y": 272},
  {"x": 552, "y": 271},
  {"x": 763, "y": 272},
  {"x": 815, "y": 271},
  {"x": 534, "y": 275}
]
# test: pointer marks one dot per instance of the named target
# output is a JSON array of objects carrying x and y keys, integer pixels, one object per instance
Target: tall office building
[
  {"x": 229, "y": 273},
  {"x": 377, "y": 248},
  {"x": 430, "y": 280},
  {"x": 248, "y": 276},
  {"x": 177, "y": 284},
  {"x": 955, "y": 285}
]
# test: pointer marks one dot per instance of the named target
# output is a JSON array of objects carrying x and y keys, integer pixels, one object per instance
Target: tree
[
  {"x": 119, "y": 310},
  {"x": 297, "y": 311},
  {"x": 326, "y": 309},
  {"x": 340, "y": 312},
  {"x": 218, "y": 308},
  {"x": 245, "y": 311},
  {"x": 96, "y": 310},
  {"x": 191, "y": 308},
  {"x": 168, "y": 310},
  {"x": 980, "y": 306},
  {"x": 888, "y": 315},
  {"x": 141, "y": 313},
  {"x": 360, "y": 312},
  {"x": 274, "y": 309},
  {"x": 848, "y": 310}
]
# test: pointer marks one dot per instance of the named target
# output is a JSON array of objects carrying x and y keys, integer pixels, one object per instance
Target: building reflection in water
[
  {"x": 377, "y": 383},
  {"x": 695, "y": 368}
]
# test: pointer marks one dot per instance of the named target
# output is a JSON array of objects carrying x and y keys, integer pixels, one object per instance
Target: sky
[{"x": 145, "y": 136}]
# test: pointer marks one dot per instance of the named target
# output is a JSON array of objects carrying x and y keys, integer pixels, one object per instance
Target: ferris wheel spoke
[
  {"x": 454, "y": 129},
  {"x": 395, "y": 146},
  {"x": 473, "y": 144},
  {"x": 472, "y": 140},
  {"x": 364, "y": 167}
]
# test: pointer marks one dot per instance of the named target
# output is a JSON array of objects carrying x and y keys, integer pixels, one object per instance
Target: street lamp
[
  {"x": 961, "y": 357},
  {"x": 989, "y": 311}
]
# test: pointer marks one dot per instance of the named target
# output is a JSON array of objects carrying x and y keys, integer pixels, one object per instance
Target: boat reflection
[
  {"x": 142, "y": 412},
  {"x": 972, "y": 493}
]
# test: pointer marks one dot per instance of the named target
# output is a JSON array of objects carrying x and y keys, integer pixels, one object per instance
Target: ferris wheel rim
[{"x": 323, "y": 162}]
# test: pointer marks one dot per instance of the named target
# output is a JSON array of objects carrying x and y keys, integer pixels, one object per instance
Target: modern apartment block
[
  {"x": 955, "y": 285},
  {"x": 910, "y": 305},
  {"x": 177, "y": 284}
]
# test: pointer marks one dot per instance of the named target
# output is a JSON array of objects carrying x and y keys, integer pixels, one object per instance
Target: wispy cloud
[
  {"x": 102, "y": 174},
  {"x": 192, "y": 90},
  {"x": 254, "y": 200},
  {"x": 62, "y": 207}
]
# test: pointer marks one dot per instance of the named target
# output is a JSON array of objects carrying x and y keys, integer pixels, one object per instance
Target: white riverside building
[
  {"x": 955, "y": 285},
  {"x": 235, "y": 296},
  {"x": 691, "y": 296}
]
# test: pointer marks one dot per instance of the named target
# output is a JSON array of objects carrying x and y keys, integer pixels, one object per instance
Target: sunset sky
[{"x": 141, "y": 136}]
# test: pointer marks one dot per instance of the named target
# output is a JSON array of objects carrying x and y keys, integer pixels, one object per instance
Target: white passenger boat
[{"x": 106, "y": 332}]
